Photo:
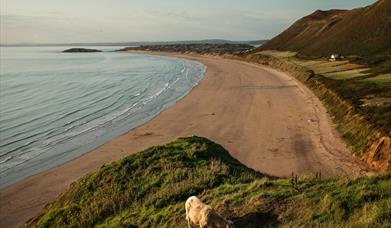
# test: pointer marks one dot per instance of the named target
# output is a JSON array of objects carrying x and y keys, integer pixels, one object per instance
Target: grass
[
  {"x": 348, "y": 74},
  {"x": 330, "y": 67},
  {"x": 148, "y": 189},
  {"x": 338, "y": 70},
  {"x": 380, "y": 80},
  {"x": 278, "y": 54},
  {"x": 376, "y": 101}
]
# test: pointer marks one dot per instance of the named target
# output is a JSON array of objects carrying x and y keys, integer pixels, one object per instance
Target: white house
[{"x": 335, "y": 57}]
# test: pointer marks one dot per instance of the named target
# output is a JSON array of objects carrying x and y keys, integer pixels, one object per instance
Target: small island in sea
[{"x": 80, "y": 50}]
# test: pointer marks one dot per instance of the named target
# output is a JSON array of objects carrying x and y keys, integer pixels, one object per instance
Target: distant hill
[
  {"x": 362, "y": 31},
  {"x": 199, "y": 48}
]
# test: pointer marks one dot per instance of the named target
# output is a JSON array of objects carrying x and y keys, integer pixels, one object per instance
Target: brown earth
[{"x": 265, "y": 118}]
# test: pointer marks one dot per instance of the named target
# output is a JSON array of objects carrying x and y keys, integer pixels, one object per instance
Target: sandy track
[{"x": 265, "y": 118}]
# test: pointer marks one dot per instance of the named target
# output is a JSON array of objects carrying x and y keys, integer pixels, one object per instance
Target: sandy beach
[{"x": 265, "y": 118}]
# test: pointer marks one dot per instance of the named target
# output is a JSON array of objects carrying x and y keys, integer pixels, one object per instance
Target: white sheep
[{"x": 204, "y": 215}]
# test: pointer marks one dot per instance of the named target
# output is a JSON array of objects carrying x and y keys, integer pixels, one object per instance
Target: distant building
[{"x": 335, "y": 57}]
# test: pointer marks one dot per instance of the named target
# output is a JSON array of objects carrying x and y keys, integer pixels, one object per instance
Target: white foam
[{"x": 6, "y": 159}]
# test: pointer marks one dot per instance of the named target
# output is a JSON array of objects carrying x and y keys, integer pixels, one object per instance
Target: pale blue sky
[{"x": 63, "y": 21}]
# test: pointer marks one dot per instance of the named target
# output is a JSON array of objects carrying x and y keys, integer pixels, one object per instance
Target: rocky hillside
[
  {"x": 149, "y": 189},
  {"x": 362, "y": 31}
]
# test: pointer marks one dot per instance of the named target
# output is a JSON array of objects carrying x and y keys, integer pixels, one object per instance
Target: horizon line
[{"x": 128, "y": 42}]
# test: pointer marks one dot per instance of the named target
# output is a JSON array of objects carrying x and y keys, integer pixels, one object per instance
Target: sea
[{"x": 56, "y": 106}]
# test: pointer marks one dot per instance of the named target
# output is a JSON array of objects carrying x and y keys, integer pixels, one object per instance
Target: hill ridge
[{"x": 362, "y": 31}]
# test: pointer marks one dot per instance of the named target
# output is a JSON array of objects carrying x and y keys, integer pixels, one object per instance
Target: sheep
[{"x": 204, "y": 215}]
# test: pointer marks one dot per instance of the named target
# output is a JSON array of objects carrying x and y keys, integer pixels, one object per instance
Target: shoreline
[{"x": 265, "y": 118}]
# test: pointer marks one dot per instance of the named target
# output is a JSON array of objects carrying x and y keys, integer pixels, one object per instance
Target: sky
[{"x": 70, "y": 21}]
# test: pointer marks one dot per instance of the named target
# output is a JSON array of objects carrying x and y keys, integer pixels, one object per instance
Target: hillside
[
  {"x": 148, "y": 189},
  {"x": 362, "y": 31}
]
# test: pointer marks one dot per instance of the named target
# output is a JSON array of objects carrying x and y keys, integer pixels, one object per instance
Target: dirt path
[{"x": 265, "y": 118}]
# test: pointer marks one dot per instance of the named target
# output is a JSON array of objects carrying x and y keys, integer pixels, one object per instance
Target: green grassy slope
[
  {"x": 362, "y": 31},
  {"x": 149, "y": 189}
]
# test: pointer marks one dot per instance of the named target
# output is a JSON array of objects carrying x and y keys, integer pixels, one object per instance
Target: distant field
[
  {"x": 329, "y": 67},
  {"x": 348, "y": 74},
  {"x": 339, "y": 70},
  {"x": 278, "y": 54},
  {"x": 383, "y": 79}
]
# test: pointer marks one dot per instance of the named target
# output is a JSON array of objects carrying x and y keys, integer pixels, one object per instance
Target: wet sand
[{"x": 265, "y": 118}]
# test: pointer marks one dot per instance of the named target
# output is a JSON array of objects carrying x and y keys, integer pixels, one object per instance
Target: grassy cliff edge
[{"x": 148, "y": 189}]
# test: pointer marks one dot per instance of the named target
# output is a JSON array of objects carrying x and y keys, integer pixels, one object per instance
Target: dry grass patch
[
  {"x": 331, "y": 67},
  {"x": 278, "y": 54},
  {"x": 348, "y": 74},
  {"x": 324, "y": 66},
  {"x": 309, "y": 63}
]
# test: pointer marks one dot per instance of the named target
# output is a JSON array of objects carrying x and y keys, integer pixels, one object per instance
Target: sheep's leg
[
  {"x": 187, "y": 216},
  {"x": 203, "y": 224}
]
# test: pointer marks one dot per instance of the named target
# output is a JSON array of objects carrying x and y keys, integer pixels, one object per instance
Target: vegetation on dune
[{"x": 149, "y": 189}]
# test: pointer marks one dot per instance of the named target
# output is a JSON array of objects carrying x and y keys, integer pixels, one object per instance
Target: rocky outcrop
[{"x": 379, "y": 154}]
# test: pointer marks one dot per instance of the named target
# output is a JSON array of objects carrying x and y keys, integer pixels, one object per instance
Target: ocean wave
[{"x": 6, "y": 159}]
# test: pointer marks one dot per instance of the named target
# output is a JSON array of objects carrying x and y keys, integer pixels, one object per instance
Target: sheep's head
[{"x": 230, "y": 224}]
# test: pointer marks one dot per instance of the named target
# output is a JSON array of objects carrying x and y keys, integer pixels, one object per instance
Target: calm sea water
[{"x": 56, "y": 106}]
